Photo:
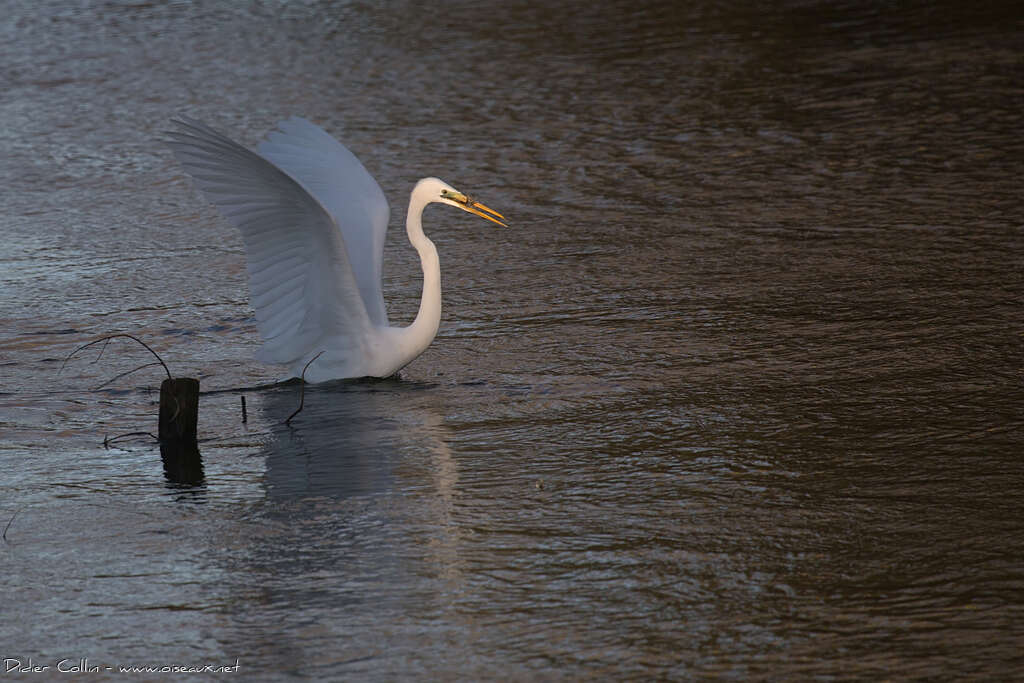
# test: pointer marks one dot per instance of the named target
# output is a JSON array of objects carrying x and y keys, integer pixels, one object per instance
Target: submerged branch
[
  {"x": 109, "y": 440},
  {"x": 105, "y": 340},
  {"x": 11, "y": 521},
  {"x": 125, "y": 374},
  {"x": 302, "y": 388}
]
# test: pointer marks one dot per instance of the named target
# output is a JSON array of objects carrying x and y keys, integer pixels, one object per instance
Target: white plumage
[{"x": 313, "y": 221}]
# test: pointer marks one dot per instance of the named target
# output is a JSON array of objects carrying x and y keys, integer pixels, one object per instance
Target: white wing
[
  {"x": 345, "y": 188},
  {"x": 302, "y": 286}
]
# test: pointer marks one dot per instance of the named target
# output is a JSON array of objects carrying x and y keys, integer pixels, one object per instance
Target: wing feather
[
  {"x": 302, "y": 284},
  {"x": 337, "y": 179}
]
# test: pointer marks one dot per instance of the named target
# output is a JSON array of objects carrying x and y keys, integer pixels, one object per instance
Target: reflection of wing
[
  {"x": 339, "y": 182},
  {"x": 303, "y": 288}
]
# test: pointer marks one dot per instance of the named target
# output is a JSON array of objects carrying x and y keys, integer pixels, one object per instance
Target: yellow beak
[
  {"x": 475, "y": 208},
  {"x": 479, "y": 209}
]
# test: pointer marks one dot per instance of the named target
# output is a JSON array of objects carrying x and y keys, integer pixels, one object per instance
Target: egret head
[{"x": 449, "y": 195}]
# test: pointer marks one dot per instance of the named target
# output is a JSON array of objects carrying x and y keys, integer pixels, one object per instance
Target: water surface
[{"x": 738, "y": 393}]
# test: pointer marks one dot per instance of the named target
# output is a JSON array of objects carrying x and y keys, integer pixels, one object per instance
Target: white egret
[{"x": 313, "y": 222}]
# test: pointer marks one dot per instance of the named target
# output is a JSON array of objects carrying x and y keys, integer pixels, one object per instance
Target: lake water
[{"x": 739, "y": 392}]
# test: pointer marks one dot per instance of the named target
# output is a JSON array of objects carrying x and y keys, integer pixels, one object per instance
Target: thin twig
[
  {"x": 125, "y": 374},
  {"x": 108, "y": 440},
  {"x": 244, "y": 416},
  {"x": 302, "y": 388},
  {"x": 114, "y": 336},
  {"x": 103, "y": 349},
  {"x": 9, "y": 524}
]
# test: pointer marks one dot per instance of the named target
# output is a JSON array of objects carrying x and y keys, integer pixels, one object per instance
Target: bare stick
[
  {"x": 108, "y": 440},
  {"x": 302, "y": 388},
  {"x": 125, "y": 374},
  {"x": 244, "y": 416},
  {"x": 106, "y": 343},
  {"x": 114, "y": 336},
  {"x": 9, "y": 523}
]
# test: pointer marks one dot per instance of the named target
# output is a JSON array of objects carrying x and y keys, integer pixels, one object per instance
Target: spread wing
[
  {"x": 336, "y": 178},
  {"x": 302, "y": 284}
]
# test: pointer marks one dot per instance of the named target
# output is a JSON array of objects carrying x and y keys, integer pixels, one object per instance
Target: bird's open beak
[
  {"x": 476, "y": 208},
  {"x": 479, "y": 209}
]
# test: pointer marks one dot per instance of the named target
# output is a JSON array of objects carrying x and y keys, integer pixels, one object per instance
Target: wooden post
[{"x": 179, "y": 409}]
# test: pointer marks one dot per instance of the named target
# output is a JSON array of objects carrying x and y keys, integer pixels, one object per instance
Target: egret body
[{"x": 313, "y": 221}]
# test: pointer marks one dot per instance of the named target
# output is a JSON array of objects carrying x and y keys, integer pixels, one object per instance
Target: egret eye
[{"x": 455, "y": 196}]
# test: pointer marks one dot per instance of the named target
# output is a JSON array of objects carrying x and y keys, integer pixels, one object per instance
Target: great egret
[{"x": 313, "y": 221}]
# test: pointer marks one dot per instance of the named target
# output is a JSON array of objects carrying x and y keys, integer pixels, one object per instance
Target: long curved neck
[{"x": 423, "y": 329}]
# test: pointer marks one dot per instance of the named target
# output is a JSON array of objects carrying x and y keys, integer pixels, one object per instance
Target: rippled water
[{"x": 739, "y": 393}]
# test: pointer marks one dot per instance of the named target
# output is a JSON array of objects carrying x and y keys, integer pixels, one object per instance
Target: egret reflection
[{"x": 352, "y": 439}]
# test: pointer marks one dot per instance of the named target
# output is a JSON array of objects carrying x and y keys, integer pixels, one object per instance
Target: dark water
[{"x": 739, "y": 393}]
